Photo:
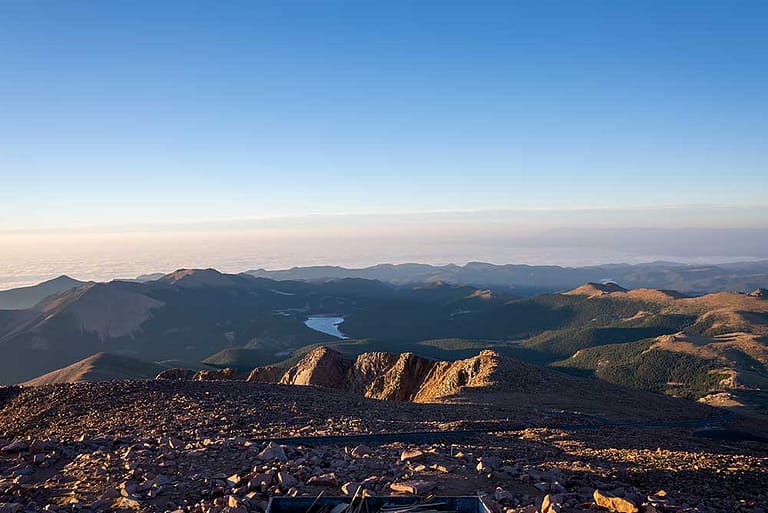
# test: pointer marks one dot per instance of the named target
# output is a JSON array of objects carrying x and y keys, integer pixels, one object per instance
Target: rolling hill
[
  {"x": 100, "y": 367},
  {"x": 718, "y": 352}
]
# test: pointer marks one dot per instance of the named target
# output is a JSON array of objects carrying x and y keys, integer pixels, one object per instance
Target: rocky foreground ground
[{"x": 205, "y": 446}]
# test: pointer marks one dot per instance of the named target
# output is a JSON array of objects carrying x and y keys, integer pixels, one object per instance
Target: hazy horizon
[{"x": 562, "y": 237}]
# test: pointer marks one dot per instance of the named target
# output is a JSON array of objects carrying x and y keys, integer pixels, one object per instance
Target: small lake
[{"x": 326, "y": 324}]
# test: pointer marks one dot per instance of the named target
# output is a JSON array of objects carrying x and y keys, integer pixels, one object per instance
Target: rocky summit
[{"x": 216, "y": 446}]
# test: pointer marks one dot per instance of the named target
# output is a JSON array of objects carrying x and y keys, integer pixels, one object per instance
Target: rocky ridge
[{"x": 400, "y": 377}]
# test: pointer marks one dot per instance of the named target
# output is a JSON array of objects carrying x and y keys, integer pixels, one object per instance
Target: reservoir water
[{"x": 326, "y": 324}]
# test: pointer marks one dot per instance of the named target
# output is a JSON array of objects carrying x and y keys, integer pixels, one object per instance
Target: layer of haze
[
  {"x": 145, "y": 136},
  {"x": 573, "y": 238}
]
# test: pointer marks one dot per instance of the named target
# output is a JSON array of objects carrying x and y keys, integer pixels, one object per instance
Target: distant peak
[
  {"x": 198, "y": 278},
  {"x": 64, "y": 279},
  {"x": 596, "y": 289},
  {"x": 437, "y": 284},
  {"x": 184, "y": 272}
]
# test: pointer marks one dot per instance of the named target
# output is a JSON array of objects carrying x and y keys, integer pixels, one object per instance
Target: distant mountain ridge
[
  {"x": 712, "y": 347},
  {"x": 27, "y": 297},
  {"x": 529, "y": 280}
]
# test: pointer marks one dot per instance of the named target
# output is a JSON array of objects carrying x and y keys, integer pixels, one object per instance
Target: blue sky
[{"x": 128, "y": 113}]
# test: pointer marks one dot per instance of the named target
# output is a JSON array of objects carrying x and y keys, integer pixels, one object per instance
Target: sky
[{"x": 277, "y": 121}]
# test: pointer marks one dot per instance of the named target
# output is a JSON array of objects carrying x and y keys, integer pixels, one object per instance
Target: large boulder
[{"x": 614, "y": 503}]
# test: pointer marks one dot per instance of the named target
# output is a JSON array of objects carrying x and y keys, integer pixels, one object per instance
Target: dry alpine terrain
[{"x": 512, "y": 433}]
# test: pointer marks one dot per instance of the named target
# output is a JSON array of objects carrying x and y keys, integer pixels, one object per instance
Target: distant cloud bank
[{"x": 569, "y": 238}]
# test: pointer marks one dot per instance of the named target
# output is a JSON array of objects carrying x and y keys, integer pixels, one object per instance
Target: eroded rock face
[
  {"x": 400, "y": 381},
  {"x": 385, "y": 376},
  {"x": 269, "y": 374},
  {"x": 107, "y": 312},
  {"x": 321, "y": 367},
  {"x": 399, "y": 377}
]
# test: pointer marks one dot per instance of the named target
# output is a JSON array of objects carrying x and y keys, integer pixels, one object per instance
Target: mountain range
[
  {"x": 528, "y": 280},
  {"x": 712, "y": 348}
]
